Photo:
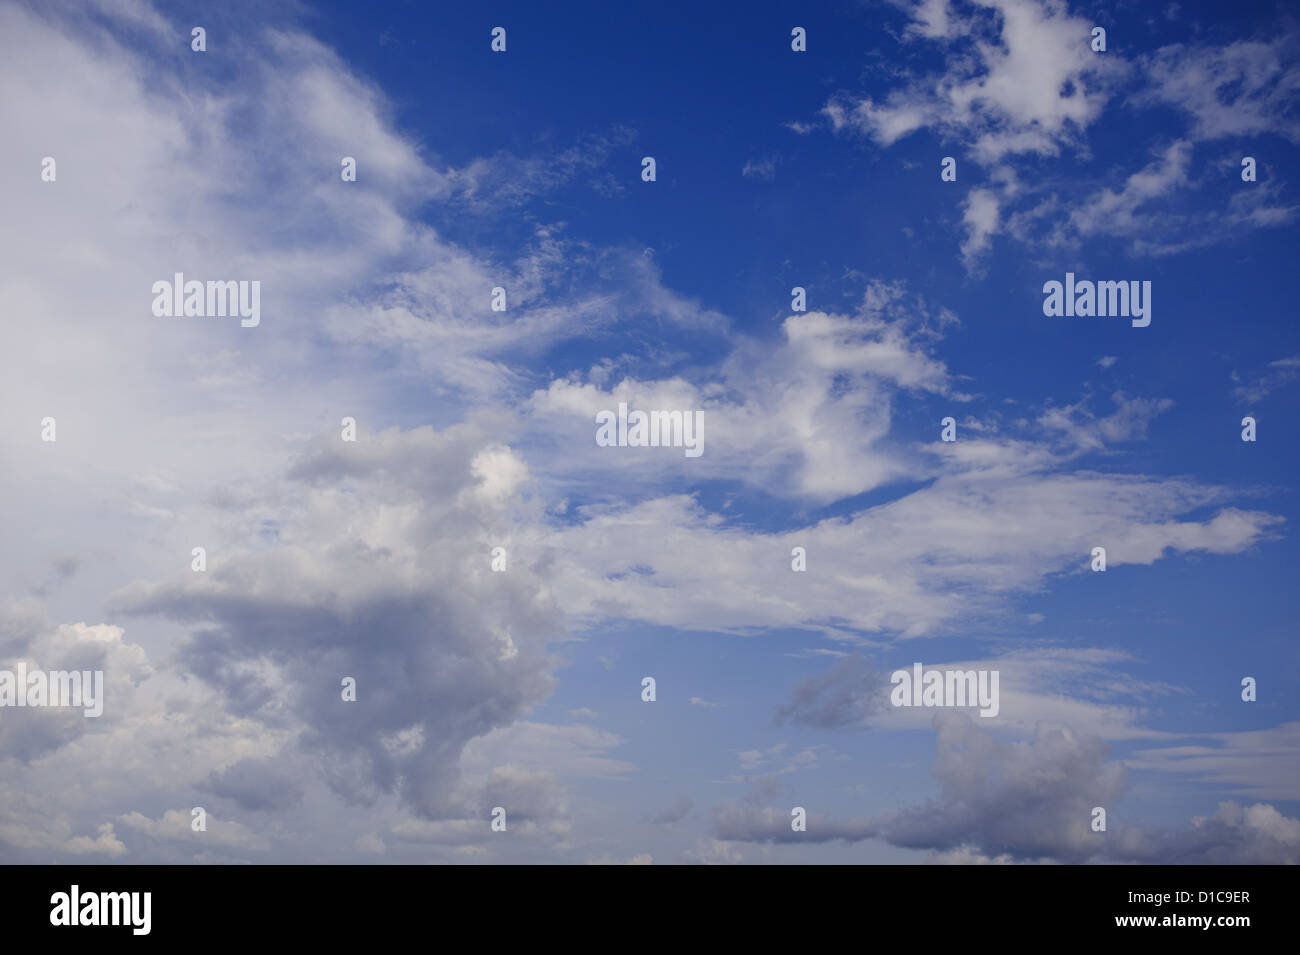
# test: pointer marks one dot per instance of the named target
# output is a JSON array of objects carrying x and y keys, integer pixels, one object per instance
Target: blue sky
[{"x": 775, "y": 169}]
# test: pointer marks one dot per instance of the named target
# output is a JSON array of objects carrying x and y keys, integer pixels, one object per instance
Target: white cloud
[
  {"x": 1280, "y": 373},
  {"x": 1021, "y": 78},
  {"x": 1130, "y": 420},
  {"x": 980, "y": 217},
  {"x": 959, "y": 548},
  {"x": 1116, "y": 213},
  {"x": 1244, "y": 88},
  {"x": 176, "y": 824},
  {"x": 778, "y": 417},
  {"x": 1030, "y": 84},
  {"x": 1258, "y": 764}
]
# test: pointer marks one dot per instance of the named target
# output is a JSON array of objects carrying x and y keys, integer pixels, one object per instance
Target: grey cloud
[
  {"x": 526, "y": 795},
  {"x": 442, "y": 650},
  {"x": 257, "y": 784},
  {"x": 850, "y": 693},
  {"x": 1032, "y": 800},
  {"x": 66, "y": 566},
  {"x": 737, "y": 823},
  {"x": 30, "y": 733},
  {"x": 674, "y": 813},
  {"x": 1027, "y": 799},
  {"x": 1234, "y": 835}
]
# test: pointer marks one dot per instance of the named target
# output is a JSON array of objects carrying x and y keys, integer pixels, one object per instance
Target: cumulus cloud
[
  {"x": 29, "y": 829},
  {"x": 255, "y": 784},
  {"x": 1030, "y": 800},
  {"x": 1234, "y": 835},
  {"x": 30, "y": 733},
  {"x": 311, "y": 578},
  {"x": 442, "y": 649},
  {"x": 177, "y": 824},
  {"x": 778, "y": 417},
  {"x": 105, "y": 843},
  {"x": 1022, "y": 79}
]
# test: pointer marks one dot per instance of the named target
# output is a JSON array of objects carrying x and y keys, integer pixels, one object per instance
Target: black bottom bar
[{"x": 477, "y": 904}]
